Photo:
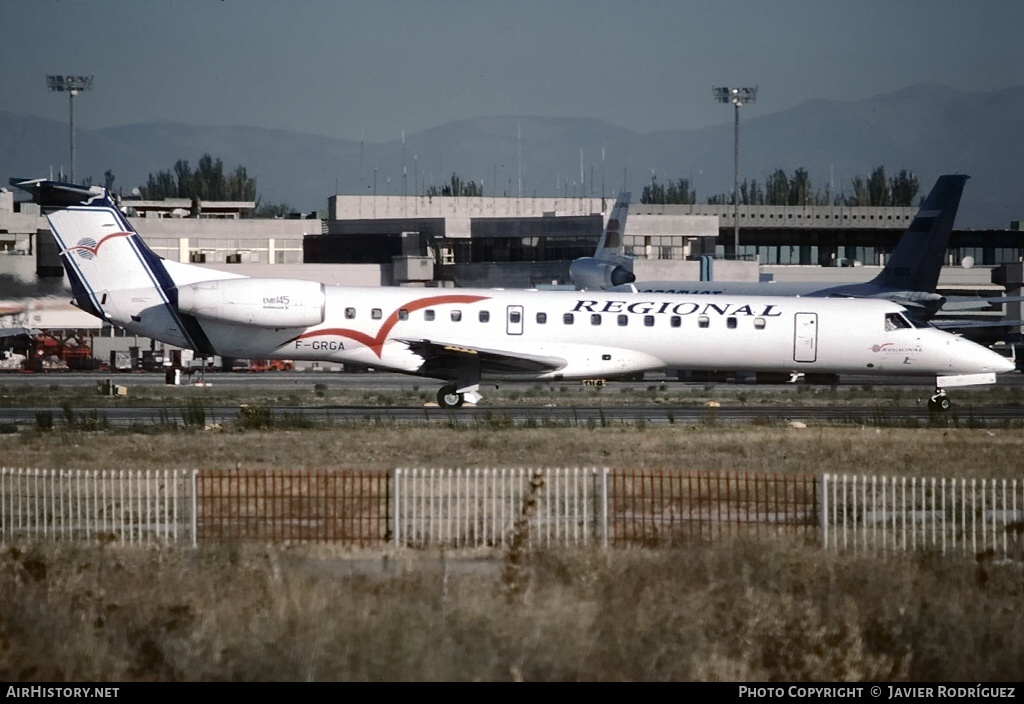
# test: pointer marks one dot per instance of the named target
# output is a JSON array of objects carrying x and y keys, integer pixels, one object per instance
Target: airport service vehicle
[{"x": 466, "y": 337}]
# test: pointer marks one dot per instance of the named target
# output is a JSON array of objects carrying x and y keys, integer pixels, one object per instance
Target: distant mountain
[{"x": 929, "y": 130}]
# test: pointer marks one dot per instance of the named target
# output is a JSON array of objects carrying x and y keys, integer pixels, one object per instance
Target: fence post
[
  {"x": 396, "y": 485},
  {"x": 195, "y": 504},
  {"x": 823, "y": 501},
  {"x": 604, "y": 507}
]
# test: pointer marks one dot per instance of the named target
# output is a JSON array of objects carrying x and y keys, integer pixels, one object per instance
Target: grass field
[
  {"x": 888, "y": 451},
  {"x": 732, "y": 610}
]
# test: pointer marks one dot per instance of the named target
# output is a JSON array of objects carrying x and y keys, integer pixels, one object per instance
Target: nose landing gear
[{"x": 939, "y": 401}]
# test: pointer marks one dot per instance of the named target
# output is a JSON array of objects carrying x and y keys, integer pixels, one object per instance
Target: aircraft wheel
[
  {"x": 940, "y": 403},
  {"x": 448, "y": 397}
]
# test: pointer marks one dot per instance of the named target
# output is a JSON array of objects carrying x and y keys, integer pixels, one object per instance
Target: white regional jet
[{"x": 467, "y": 336}]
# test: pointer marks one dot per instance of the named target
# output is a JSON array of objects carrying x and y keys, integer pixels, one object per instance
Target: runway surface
[{"x": 740, "y": 403}]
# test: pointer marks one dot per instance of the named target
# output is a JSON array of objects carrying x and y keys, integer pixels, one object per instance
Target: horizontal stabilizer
[{"x": 54, "y": 194}]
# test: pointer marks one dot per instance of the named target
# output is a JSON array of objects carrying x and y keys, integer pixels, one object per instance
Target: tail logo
[{"x": 87, "y": 247}]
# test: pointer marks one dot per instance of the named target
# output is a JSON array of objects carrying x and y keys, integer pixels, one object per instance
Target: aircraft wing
[
  {"x": 954, "y": 325},
  {"x": 444, "y": 355},
  {"x": 977, "y": 303}
]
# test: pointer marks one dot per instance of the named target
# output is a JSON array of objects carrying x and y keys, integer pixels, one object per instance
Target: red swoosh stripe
[
  {"x": 376, "y": 343},
  {"x": 96, "y": 250}
]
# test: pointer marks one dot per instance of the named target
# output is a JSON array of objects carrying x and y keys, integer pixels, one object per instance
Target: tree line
[
  {"x": 456, "y": 188},
  {"x": 208, "y": 181},
  {"x": 779, "y": 188}
]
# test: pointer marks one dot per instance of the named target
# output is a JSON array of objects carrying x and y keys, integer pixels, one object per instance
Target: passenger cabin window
[
  {"x": 428, "y": 314},
  {"x": 485, "y": 316},
  {"x": 623, "y": 320},
  {"x": 456, "y": 316},
  {"x": 542, "y": 318},
  {"x": 350, "y": 313},
  {"x": 759, "y": 323},
  {"x": 567, "y": 318},
  {"x": 515, "y": 317},
  {"x": 675, "y": 321},
  {"x": 895, "y": 321},
  {"x": 649, "y": 321},
  {"x": 703, "y": 321},
  {"x": 595, "y": 318},
  {"x": 403, "y": 314},
  {"x": 730, "y": 322},
  {"x": 375, "y": 314}
]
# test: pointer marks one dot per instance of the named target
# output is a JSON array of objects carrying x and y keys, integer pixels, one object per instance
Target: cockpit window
[{"x": 896, "y": 321}]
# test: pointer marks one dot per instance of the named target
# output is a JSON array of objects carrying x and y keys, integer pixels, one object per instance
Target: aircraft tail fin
[
  {"x": 610, "y": 246},
  {"x": 99, "y": 249},
  {"x": 918, "y": 258},
  {"x": 609, "y": 266},
  {"x": 113, "y": 274}
]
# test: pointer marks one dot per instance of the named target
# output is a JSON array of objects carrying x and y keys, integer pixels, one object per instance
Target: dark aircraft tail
[{"x": 917, "y": 259}]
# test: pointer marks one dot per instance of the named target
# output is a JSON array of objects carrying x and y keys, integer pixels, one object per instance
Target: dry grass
[
  {"x": 887, "y": 451},
  {"x": 770, "y": 611}
]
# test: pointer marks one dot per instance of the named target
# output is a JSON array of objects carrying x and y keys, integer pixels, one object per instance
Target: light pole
[
  {"x": 736, "y": 96},
  {"x": 71, "y": 85}
]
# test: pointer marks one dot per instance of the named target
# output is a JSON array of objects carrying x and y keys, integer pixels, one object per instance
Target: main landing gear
[
  {"x": 939, "y": 401},
  {"x": 449, "y": 396}
]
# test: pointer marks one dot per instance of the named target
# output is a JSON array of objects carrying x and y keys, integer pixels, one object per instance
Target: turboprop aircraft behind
[{"x": 467, "y": 336}]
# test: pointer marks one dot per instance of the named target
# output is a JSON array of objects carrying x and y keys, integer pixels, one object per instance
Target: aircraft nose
[
  {"x": 992, "y": 361},
  {"x": 979, "y": 358},
  {"x": 1004, "y": 364}
]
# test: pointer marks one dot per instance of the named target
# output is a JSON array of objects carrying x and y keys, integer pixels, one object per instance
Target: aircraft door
[
  {"x": 514, "y": 320},
  {"x": 805, "y": 342}
]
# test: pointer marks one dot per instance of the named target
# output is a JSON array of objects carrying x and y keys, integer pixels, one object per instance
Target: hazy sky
[{"x": 368, "y": 70}]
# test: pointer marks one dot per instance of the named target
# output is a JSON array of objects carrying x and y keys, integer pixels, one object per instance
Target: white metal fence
[
  {"x": 488, "y": 507},
  {"x": 541, "y": 507},
  {"x": 948, "y": 516},
  {"x": 129, "y": 506}
]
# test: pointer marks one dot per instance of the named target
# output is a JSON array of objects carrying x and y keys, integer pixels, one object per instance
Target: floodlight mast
[
  {"x": 736, "y": 96},
  {"x": 71, "y": 85}
]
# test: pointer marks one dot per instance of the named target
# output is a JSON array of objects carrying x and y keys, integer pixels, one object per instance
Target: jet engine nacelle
[
  {"x": 599, "y": 274},
  {"x": 266, "y": 303}
]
